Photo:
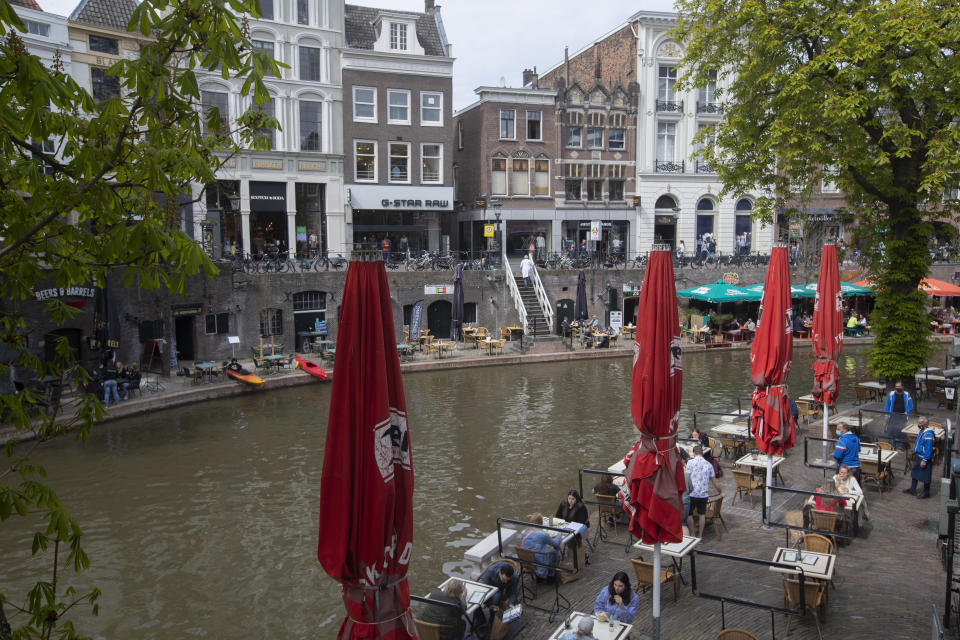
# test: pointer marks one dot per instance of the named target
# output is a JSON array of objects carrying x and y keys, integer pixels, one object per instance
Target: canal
[{"x": 201, "y": 521}]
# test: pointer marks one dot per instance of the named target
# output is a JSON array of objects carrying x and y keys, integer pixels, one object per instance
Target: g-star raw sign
[{"x": 414, "y": 204}]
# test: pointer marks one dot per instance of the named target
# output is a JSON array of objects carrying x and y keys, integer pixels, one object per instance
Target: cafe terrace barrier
[
  {"x": 778, "y": 491},
  {"x": 560, "y": 603},
  {"x": 725, "y": 599},
  {"x": 743, "y": 417},
  {"x": 600, "y": 535}
]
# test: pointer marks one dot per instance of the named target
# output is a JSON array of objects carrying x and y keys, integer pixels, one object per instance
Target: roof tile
[{"x": 359, "y": 32}]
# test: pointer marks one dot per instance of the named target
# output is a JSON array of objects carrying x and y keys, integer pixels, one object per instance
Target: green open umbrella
[
  {"x": 796, "y": 291},
  {"x": 718, "y": 292},
  {"x": 846, "y": 289}
]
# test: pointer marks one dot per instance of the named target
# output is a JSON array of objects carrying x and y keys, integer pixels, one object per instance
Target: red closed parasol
[
  {"x": 827, "y": 328},
  {"x": 771, "y": 420},
  {"x": 366, "y": 492}
]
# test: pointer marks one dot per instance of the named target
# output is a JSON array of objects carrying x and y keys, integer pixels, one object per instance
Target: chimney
[
  {"x": 530, "y": 78},
  {"x": 566, "y": 64},
  {"x": 428, "y": 5}
]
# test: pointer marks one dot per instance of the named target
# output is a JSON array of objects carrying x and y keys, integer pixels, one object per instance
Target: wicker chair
[
  {"x": 825, "y": 521},
  {"x": 528, "y": 567},
  {"x": 872, "y": 471},
  {"x": 645, "y": 576},
  {"x": 735, "y": 634},
  {"x": 714, "y": 515},
  {"x": 817, "y": 543},
  {"x": 814, "y": 597},
  {"x": 429, "y": 630},
  {"x": 608, "y": 511},
  {"x": 745, "y": 484}
]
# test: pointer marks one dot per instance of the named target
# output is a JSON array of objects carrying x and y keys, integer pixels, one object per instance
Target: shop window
[
  {"x": 365, "y": 153},
  {"x": 271, "y": 322},
  {"x": 399, "y": 162},
  {"x": 498, "y": 177},
  {"x": 508, "y": 124},
  {"x": 520, "y": 177},
  {"x": 534, "y": 130},
  {"x": 541, "y": 180},
  {"x": 432, "y": 160}
]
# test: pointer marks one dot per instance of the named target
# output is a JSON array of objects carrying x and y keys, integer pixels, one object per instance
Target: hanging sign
[
  {"x": 438, "y": 289},
  {"x": 488, "y": 230},
  {"x": 594, "y": 229}
]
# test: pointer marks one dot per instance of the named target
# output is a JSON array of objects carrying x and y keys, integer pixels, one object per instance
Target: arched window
[
  {"x": 743, "y": 204},
  {"x": 666, "y": 202},
  {"x": 705, "y": 204}
]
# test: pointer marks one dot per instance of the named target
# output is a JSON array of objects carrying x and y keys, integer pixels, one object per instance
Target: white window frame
[
  {"x": 623, "y": 139},
  {"x": 666, "y": 133},
  {"x": 501, "y": 121},
  {"x": 566, "y": 129},
  {"x": 439, "y": 158},
  {"x": 539, "y": 119},
  {"x": 398, "y": 36},
  {"x": 828, "y": 181},
  {"x": 438, "y": 109},
  {"x": 390, "y": 105},
  {"x": 390, "y": 157},
  {"x": 376, "y": 161},
  {"x": 37, "y": 28},
  {"x": 357, "y": 118},
  {"x": 319, "y": 103},
  {"x": 594, "y": 130},
  {"x": 708, "y": 94},
  {"x": 666, "y": 81}
]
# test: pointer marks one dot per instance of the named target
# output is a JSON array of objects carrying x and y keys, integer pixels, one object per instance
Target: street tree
[
  {"x": 863, "y": 91},
  {"x": 88, "y": 190}
]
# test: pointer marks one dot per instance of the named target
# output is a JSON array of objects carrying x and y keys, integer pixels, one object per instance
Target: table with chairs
[
  {"x": 807, "y": 575},
  {"x": 602, "y": 629},
  {"x": 676, "y": 551}
]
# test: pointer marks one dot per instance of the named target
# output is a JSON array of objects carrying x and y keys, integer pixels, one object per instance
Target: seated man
[
  {"x": 502, "y": 576},
  {"x": 545, "y": 547},
  {"x": 749, "y": 329}
]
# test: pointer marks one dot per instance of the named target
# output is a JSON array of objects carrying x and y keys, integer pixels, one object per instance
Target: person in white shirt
[
  {"x": 526, "y": 269},
  {"x": 702, "y": 477},
  {"x": 847, "y": 484}
]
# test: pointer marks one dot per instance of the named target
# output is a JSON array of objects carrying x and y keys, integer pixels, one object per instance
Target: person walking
[
  {"x": 702, "y": 476},
  {"x": 922, "y": 459},
  {"x": 526, "y": 269}
]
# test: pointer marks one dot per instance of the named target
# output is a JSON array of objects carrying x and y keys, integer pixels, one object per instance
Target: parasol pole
[
  {"x": 656, "y": 591},
  {"x": 826, "y": 431},
  {"x": 767, "y": 489}
]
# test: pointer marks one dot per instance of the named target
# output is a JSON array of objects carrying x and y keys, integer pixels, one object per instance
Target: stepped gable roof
[
  {"x": 360, "y": 34},
  {"x": 28, "y": 4},
  {"x": 112, "y": 14}
]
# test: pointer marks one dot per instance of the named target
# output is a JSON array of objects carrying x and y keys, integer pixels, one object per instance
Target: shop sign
[
  {"x": 595, "y": 230},
  {"x": 630, "y": 290},
  {"x": 268, "y": 196},
  {"x": 401, "y": 198},
  {"x": 187, "y": 310},
  {"x": 731, "y": 278},
  {"x": 616, "y": 320},
  {"x": 488, "y": 230},
  {"x": 63, "y": 292},
  {"x": 301, "y": 234},
  {"x": 587, "y": 224},
  {"x": 438, "y": 289},
  {"x": 664, "y": 220}
]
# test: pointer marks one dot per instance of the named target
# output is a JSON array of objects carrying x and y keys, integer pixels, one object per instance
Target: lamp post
[
  {"x": 234, "y": 201},
  {"x": 496, "y": 212}
]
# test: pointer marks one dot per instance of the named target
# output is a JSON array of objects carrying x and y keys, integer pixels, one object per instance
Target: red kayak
[
  {"x": 311, "y": 367},
  {"x": 240, "y": 374}
]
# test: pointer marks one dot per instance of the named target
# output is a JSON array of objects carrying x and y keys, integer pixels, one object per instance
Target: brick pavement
[{"x": 886, "y": 579}]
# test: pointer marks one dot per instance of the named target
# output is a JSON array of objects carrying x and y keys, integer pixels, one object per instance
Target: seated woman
[
  {"x": 617, "y": 601},
  {"x": 545, "y": 547},
  {"x": 450, "y": 617},
  {"x": 572, "y": 509},
  {"x": 846, "y": 484},
  {"x": 606, "y": 487},
  {"x": 704, "y": 439}
]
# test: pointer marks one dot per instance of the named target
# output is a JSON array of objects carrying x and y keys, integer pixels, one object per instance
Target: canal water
[{"x": 201, "y": 521}]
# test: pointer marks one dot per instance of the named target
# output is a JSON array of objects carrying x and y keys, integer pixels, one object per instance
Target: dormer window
[{"x": 398, "y": 36}]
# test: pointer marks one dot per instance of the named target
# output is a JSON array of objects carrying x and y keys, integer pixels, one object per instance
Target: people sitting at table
[
  {"x": 129, "y": 379},
  {"x": 846, "y": 484},
  {"x": 798, "y": 324},
  {"x": 852, "y": 324},
  {"x": 847, "y": 451},
  {"x": 749, "y": 328},
  {"x": 922, "y": 459},
  {"x": 584, "y": 631},
  {"x": 617, "y": 601},
  {"x": 862, "y": 323},
  {"x": 594, "y": 323},
  {"x": 898, "y": 406},
  {"x": 546, "y": 548},
  {"x": 451, "y": 617},
  {"x": 502, "y": 576},
  {"x": 701, "y": 437},
  {"x": 572, "y": 509}
]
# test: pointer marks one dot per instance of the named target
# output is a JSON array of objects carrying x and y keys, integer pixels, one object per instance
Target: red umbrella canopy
[
  {"x": 366, "y": 492},
  {"x": 771, "y": 419},
  {"x": 654, "y": 471},
  {"x": 827, "y": 328}
]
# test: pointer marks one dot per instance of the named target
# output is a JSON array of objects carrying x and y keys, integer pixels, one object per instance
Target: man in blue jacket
[
  {"x": 502, "y": 576},
  {"x": 848, "y": 450},
  {"x": 922, "y": 459}
]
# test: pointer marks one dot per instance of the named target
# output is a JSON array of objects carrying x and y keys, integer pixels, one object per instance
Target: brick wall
[{"x": 618, "y": 62}]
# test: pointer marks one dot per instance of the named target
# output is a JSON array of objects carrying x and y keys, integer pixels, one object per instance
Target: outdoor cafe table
[
  {"x": 206, "y": 369},
  {"x": 739, "y": 415},
  {"x": 816, "y": 566},
  {"x": 609, "y": 630},
  {"x": 263, "y": 348},
  {"x": 274, "y": 361},
  {"x": 476, "y": 594},
  {"x": 404, "y": 350},
  {"x": 758, "y": 464},
  {"x": 570, "y": 538},
  {"x": 688, "y": 445},
  {"x": 875, "y": 388},
  {"x": 491, "y": 345},
  {"x": 869, "y": 451},
  {"x": 938, "y": 432},
  {"x": 852, "y": 506},
  {"x": 732, "y": 430},
  {"x": 673, "y": 550},
  {"x": 443, "y": 345}
]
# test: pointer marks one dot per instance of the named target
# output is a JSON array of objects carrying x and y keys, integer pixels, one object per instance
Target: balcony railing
[
  {"x": 703, "y": 167},
  {"x": 668, "y": 166},
  {"x": 669, "y": 106},
  {"x": 709, "y": 107}
]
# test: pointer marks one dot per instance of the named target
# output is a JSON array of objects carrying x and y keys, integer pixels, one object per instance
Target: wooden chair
[
  {"x": 429, "y": 630},
  {"x": 260, "y": 366},
  {"x": 713, "y": 445},
  {"x": 807, "y": 410},
  {"x": 863, "y": 395},
  {"x": 826, "y": 521},
  {"x": 528, "y": 567},
  {"x": 817, "y": 543},
  {"x": 506, "y": 334},
  {"x": 871, "y": 471},
  {"x": 745, "y": 484},
  {"x": 735, "y": 634},
  {"x": 881, "y": 444},
  {"x": 497, "y": 345},
  {"x": 714, "y": 515},
  {"x": 813, "y": 598},
  {"x": 730, "y": 447},
  {"x": 645, "y": 576},
  {"x": 608, "y": 511},
  {"x": 793, "y": 517}
]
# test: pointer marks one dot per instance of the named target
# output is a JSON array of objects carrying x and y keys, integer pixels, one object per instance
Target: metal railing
[
  {"x": 514, "y": 291},
  {"x": 663, "y": 166},
  {"x": 709, "y": 107},
  {"x": 703, "y": 167},
  {"x": 669, "y": 106},
  {"x": 545, "y": 307}
]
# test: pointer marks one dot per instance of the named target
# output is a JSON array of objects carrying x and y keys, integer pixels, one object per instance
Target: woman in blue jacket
[{"x": 617, "y": 601}]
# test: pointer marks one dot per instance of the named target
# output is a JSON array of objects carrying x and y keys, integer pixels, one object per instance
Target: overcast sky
[{"x": 499, "y": 38}]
